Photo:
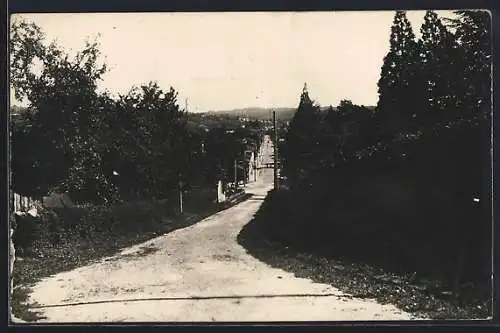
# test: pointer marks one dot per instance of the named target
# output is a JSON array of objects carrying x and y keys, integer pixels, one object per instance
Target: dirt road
[{"x": 199, "y": 273}]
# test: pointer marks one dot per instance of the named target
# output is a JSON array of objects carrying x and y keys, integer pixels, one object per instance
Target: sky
[{"x": 221, "y": 61}]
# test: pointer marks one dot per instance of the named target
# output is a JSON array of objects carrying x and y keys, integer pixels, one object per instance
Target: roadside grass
[
  {"x": 354, "y": 278},
  {"x": 76, "y": 248}
]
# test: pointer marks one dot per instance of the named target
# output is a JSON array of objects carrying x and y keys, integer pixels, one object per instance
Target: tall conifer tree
[{"x": 398, "y": 101}]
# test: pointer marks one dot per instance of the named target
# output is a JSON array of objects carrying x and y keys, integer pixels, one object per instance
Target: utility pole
[
  {"x": 235, "y": 175},
  {"x": 245, "y": 179},
  {"x": 180, "y": 200},
  {"x": 181, "y": 187},
  {"x": 255, "y": 166},
  {"x": 276, "y": 185}
]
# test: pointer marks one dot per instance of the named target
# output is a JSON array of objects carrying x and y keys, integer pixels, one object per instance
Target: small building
[
  {"x": 221, "y": 196},
  {"x": 250, "y": 164}
]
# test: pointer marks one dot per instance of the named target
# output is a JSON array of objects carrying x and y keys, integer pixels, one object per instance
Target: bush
[
  {"x": 27, "y": 231},
  {"x": 408, "y": 207}
]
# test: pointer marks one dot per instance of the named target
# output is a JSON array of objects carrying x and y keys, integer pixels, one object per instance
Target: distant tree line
[
  {"x": 428, "y": 136},
  {"x": 74, "y": 138}
]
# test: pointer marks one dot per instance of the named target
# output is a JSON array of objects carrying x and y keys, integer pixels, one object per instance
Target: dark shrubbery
[
  {"x": 405, "y": 185},
  {"x": 76, "y": 226},
  {"x": 409, "y": 208},
  {"x": 26, "y": 230},
  {"x": 340, "y": 256}
]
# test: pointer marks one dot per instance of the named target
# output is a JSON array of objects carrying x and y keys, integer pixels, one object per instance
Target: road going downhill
[{"x": 199, "y": 273}]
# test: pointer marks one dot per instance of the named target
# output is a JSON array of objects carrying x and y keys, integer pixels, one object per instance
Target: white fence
[{"x": 20, "y": 203}]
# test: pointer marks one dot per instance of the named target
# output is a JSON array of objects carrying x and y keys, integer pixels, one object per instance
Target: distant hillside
[
  {"x": 259, "y": 113},
  {"x": 325, "y": 108},
  {"x": 266, "y": 113}
]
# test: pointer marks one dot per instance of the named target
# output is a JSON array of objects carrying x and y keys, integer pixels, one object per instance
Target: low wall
[{"x": 236, "y": 196}]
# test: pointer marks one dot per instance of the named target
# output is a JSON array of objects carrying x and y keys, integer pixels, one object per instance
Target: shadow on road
[{"x": 267, "y": 237}]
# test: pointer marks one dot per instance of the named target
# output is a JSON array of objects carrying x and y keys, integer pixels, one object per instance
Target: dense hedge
[{"x": 409, "y": 207}]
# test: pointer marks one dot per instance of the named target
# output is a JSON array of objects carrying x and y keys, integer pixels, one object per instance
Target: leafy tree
[
  {"x": 76, "y": 139},
  {"x": 62, "y": 96},
  {"x": 150, "y": 149},
  {"x": 474, "y": 62},
  {"x": 439, "y": 54},
  {"x": 349, "y": 128},
  {"x": 25, "y": 177}
]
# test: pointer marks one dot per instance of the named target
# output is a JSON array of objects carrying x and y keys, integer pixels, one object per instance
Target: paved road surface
[{"x": 199, "y": 273}]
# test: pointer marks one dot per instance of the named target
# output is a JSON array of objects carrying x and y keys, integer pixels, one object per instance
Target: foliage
[
  {"x": 300, "y": 148},
  {"x": 65, "y": 109},
  {"x": 414, "y": 165},
  {"x": 400, "y": 98},
  {"x": 419, "y": 89},
  {"x": 76, "y": 139},
  {"x": 151, "y": 136},
  {"x": 473, "y": 34},
  {"x": 438, "y": 56},
  {"x": 26, "y": 231},
  {"x": 348, "y": 128}
]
